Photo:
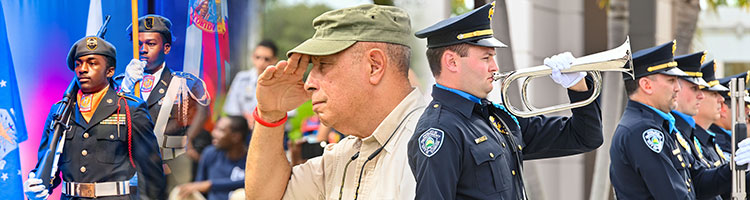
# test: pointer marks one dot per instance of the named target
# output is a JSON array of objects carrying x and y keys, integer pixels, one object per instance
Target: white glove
[
  {"x": 133, "y": 74},
  {"x": 563, "y": 61},
  {"x": 742, "y": 156},
  {"x": 34, "y": 189}
]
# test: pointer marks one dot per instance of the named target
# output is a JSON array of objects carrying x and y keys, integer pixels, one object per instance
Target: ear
[
  {"x": 449, "y": 61},
  {"x": 167, "y": 47},
  {"x": 645, "y": 85},
  {"x": 377, "y": 61},
  {"x": 110, "y": 72}
]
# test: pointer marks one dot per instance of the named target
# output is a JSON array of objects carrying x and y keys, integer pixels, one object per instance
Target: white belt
[
  {"x": 93, "y": 190},
  {"x": 171, "y": 153}
]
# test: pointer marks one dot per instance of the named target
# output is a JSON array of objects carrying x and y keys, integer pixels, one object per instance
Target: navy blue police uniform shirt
[
  {"x": 685, "y": 128},
  {"x": 467, "y": 148},
  {"x": 723, "y": 138},
  {"x": 97, "y": 151},
  {"x": 648, "y": 163},
  {"x": 691, "y": 149},
  {"x": 705, "y": 142}
]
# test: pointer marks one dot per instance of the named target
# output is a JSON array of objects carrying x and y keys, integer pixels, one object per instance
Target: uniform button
[
  {"x": 688, "y": 183},
  {"x": 85, "y": 135},
  {"x": 513, "y": 172},
  {"x": 519, "y": 147},
  {"x": 84, "y": 152},
  {"x": 503, "y": 145},
  {"x": 83, "y": 169},
  {"x": 683, "y": 164},
  {"x": 492, "y": 155},
  {"x": 111, "y": 136},
  {"x": 435, "y": 106}
]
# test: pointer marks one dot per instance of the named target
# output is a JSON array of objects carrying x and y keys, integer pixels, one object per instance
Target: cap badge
[
  {"x": 149, "y": 23},
  {"x": 492, "y": 11},
  {"x": 91, "y": 43}
]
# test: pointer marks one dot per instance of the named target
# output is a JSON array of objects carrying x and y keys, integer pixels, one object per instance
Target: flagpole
[{"x": 134, "y": 18}]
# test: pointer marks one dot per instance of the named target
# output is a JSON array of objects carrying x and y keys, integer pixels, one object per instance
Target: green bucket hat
[{"x": 339, "y": 29}]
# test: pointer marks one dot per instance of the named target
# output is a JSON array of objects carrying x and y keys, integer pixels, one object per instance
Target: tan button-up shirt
[{"x": 386, "y": 176}]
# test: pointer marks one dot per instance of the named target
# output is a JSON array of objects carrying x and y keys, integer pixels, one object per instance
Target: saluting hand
[{"x": 281, "y": 89}]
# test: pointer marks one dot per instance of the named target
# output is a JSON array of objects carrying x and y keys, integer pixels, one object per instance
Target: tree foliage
[{"x": 290, "y": 25}]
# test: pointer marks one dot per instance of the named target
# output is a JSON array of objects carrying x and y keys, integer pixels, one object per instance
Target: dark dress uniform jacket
[
  {"x": 638, "y": 172},
  {"x": 723, "y": 138},
  {"x": 709, "y": 148},
  {"x": 106, "y": 147},
  {"x": 690, "y": 149},
  {"x": 479, "y": 159}
]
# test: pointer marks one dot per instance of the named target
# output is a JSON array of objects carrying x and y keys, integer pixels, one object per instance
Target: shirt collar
[
  {"x": 461, "y": 93},
  {"x": 402, "y": 112},
  {"x": 711, "y": 133},
  {"x": 685, "y": 117},
  {"x": 725, "y": 130},
  {"x": 666, "y": 116},
  {"x": 157, "y": 74}
]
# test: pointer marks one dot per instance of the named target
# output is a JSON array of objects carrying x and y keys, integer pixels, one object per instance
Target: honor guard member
[
  {"x": 173, "y": 97},
  {"x": 710, "y": 111},
  {"x": 722, "y": 128},
  {"x": 110, "y": 139},
  {"x": 688, "y": 100},
  {"x": 705, "y": 149},
  {"x": 646, "y": 161},
  {"x": 465, "y": 147}
]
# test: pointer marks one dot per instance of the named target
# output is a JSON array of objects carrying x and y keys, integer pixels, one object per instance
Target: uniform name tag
[{"x": 480, "y": 139}]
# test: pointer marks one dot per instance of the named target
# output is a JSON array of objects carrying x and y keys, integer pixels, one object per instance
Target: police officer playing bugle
[{"x": 465, "y": 147}]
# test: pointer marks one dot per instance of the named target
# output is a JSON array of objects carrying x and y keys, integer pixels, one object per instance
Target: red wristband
[{"x": 268, "y": 124}]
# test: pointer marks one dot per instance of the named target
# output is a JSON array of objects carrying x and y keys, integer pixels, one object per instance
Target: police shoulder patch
[
  {"x": 654, "y": 139},
  {"x": 430, "y": 141}
]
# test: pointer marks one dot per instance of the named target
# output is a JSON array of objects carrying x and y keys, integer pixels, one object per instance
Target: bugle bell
[{"x": 618, "y": 59}]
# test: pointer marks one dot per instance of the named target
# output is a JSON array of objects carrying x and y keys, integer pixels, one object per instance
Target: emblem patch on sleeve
[
  {"x": 430, "y": 141},
  {"x": 654, "y": 139}
]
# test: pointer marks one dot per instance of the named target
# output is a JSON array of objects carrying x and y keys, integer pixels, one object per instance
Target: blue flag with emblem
[{"x": 12, "y": 126}]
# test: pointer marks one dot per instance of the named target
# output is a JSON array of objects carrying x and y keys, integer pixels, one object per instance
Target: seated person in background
[{"x": 222, "y": 165}]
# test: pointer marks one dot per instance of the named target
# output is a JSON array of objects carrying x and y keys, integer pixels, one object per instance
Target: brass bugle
[{"x": 618, "y": 59}]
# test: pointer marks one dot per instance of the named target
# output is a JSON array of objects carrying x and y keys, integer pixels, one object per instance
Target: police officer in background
[
  {"x": 464, "y": 147},
  {"x": 708, "y": 153},
  {"x": 710, "y": 111},
  {"x": 151, "y": 79},
  {"x": 646, "y": 161},
  {"x": 111, "y": 137},
  {"x": 688, "y": 101},
  {"x": 723, "y": 126}
]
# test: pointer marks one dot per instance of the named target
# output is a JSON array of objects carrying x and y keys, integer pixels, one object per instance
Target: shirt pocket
[
  {"x": 492, "y": 171},
  {"x": 111, "y": 148}
]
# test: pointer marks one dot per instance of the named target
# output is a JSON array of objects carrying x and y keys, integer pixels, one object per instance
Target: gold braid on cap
[
  {"x": 662, "y": 66},
  {"x": 474, "y": 34}
]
